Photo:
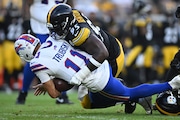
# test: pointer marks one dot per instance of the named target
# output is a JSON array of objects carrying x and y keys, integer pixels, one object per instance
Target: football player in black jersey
[
  {"x": 71, "y": 25},
  {"x": 175, "y": 63},
  {"x": 170, "y": 41},
  {"x": 139, "y": 59},
  {"x": 173, "y": 71}
]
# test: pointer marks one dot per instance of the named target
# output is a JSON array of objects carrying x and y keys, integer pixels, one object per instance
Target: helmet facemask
[{"x": 60, "y": 28}]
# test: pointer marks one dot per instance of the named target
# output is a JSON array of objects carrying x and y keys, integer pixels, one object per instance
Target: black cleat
[
  {"x": 130, "y": 107},
  {"x": 63, "y": 101},
  {"x": 21, "y": 98}
]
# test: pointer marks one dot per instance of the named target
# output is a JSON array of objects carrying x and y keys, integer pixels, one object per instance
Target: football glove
[{"x": 80, "y": 76}]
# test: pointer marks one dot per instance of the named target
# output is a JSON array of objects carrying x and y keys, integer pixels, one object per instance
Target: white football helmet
[{"x": 25, "y": 45}]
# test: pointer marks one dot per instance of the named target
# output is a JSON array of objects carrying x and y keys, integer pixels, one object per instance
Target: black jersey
[
  {"x": 83, "y": 28},
  {"x": 139, "y": 36}
]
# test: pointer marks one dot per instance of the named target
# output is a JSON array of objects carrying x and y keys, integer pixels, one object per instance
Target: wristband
[{"x": 95, "y": 62}]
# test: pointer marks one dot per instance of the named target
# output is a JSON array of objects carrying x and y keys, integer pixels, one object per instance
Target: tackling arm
[
  {"x": 99, "y": 53},
  {"x": 97, "y": 49}
]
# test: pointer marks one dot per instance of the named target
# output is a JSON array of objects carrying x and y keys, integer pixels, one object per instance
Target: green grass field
[{"x": 44, "y": 108}]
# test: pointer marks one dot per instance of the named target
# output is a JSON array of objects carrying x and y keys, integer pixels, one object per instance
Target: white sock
[{"x": 175, "y": 82}]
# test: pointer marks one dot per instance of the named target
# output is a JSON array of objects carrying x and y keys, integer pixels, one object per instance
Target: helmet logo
[
  {"x": 18, "y": 48},
  {"x": 64, "y": 24},
  {"x": 171, "y": 100}
]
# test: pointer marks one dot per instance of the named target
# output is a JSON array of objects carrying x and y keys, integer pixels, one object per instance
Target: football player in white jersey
[
  {"x": 59, "y": 59},
  {"x": 38, "y": 10}
]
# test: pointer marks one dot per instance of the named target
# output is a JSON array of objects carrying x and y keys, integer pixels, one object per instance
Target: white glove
[{"x": 80, "y": 76}]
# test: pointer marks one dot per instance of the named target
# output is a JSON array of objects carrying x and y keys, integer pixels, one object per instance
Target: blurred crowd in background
[{"x": 148, "y": 30}]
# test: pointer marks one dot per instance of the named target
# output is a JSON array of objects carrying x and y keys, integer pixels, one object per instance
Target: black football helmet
[
  {"x": 140, "y": 6},
  {"x": 168, "y": 103},
  {"x": 59, "y": 19}
]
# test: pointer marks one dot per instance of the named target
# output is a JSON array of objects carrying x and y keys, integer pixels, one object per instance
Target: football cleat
[
  {"x": 63, "y": 100},
  {"x": 130, "y": 107},
  {"x": 21, "y": 98},
  {"x": 146, "y": 103}
]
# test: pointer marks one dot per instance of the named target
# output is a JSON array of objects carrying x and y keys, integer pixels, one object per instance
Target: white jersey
[
  {"x": 38, "y": 12},
  {"x": 59, "y": 59}
]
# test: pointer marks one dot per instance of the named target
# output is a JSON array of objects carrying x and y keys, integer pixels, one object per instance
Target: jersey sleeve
[
  {"x": 80, "y": 31},
  {"x": 43, "y": 76},
  {"x": 81, "y": 37},
  {"x": 41, "y": 71}
]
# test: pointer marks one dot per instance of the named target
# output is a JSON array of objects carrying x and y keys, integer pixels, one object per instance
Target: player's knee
[{"x": 85, "y": 102}]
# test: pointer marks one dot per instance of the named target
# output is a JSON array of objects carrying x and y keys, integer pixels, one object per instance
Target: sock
[
  {"x": 174, "y": 82},
  {"x": 116, "y": 90},
  {"x": 145, "y": 90},
  {"x": 63, "y": 95}
]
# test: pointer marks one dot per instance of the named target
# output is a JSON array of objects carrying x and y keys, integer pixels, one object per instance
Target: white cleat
[{"x": 175, "y": 82}]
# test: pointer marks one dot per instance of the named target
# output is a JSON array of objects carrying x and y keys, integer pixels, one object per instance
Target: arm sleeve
[
  {"x": 44, "y": 75},
  {"x": 81, "y": 37}
]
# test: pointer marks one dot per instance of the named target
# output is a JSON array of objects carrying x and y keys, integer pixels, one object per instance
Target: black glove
[
  {"x": 177, "y": 13},
  {"x": 26, "y": 26}
]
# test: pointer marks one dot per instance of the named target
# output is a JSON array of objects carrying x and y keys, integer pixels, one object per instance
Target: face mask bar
[
  {"x": 50, "y": 27},
  {"x": 55, "y": 33}
]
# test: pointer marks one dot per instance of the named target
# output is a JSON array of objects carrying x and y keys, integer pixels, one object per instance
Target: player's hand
[
  {"x": 75, "y": 81},
  {"x": 80, "y": 76},
  {"x": 177, "y": 13},
  {"x": 39, "y": 89}
]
